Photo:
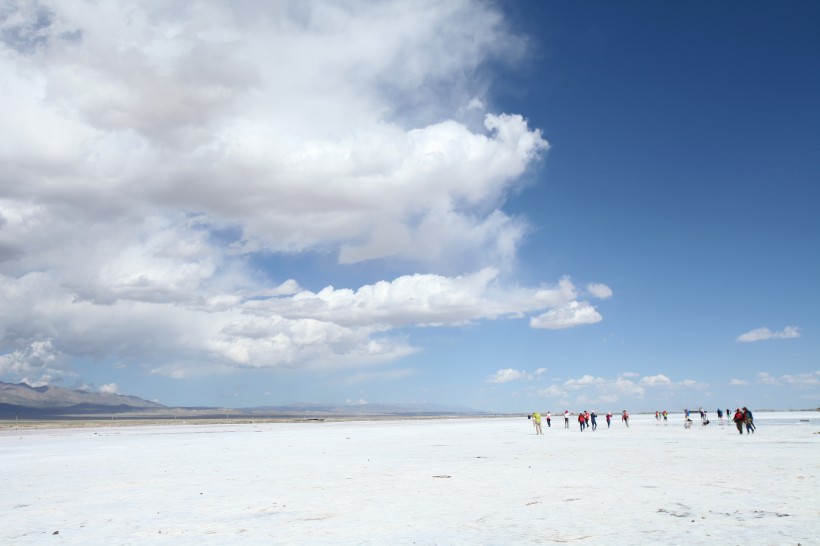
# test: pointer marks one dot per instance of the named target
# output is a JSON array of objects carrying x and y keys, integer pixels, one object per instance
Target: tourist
[
  {"x": 739, "y": 419},
  {"x": 566, "y": 418},
  {"x": 625, "y": 418},
  {"x": 582, "y": 422},
  {"x": 549, "y": 420},
  {"x": 594, "y": 417},
  {"x": 608, "y": 419},
  {"x": 536, "y": 421},
  {"x": 748, "y": 420}
]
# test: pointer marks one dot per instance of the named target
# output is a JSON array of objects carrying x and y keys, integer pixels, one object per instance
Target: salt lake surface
[{"x": 459, "y": 481}]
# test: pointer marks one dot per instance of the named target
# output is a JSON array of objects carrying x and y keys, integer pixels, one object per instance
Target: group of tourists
[
  {"x": 586, "y": 420},
  {"x": 704, "y": 418},
  {"x": 743, "y": 417},
  {"x": 589, "y": 420}
]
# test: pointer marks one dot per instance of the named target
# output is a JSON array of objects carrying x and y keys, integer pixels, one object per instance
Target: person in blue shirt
[{"x": 748, "y": 420}]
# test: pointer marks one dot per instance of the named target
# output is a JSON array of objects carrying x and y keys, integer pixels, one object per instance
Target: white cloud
[
  {"x": 627, "y": 388},
  {"x": 230, "y": 326},
  {"x": 508, "y": 374},
  {"x": 553, "y": 391},
  {"x": 626, "y": 384},
  {"x": 540, "y": 371},
  {"x": 659, "y": 380},
  {"x": 156, "y": 106},
  {"x": 110, "y": 388},
  {"x": 572, "y": 314},
  {"x": 36, "y": 364},
  {"x": 802, "y": 380},
  {"x": 760, "y": 334},
  {"x": 738, "y": 382},
  {"x": 692, "y": 384},
  {"x": 584, "y": 381},
  {"x": 600, "y": 291},
  {"x": 178, "y": 153}
]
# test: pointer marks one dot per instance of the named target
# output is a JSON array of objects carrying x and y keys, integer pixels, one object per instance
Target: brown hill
[{"x": 23, "y": 395}]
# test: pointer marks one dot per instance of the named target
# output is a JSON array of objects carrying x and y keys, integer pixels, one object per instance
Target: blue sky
[{"x": 504, "y": 206}]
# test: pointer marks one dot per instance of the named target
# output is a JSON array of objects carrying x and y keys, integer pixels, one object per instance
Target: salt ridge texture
[{"x": 461, "y": 481}]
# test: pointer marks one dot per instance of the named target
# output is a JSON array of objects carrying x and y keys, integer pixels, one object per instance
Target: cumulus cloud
[
  {"x": 625, "y": 385},
  {"x": 553, "y": 391},
  {"x": 110, "y": 388},
  {"x": 284, "y": 327},
  {"x": 574, "y": 313},
  {"x": 802, "y": 380},
  {"x": 760, "y": 334},
  {"x": 508, "y": 374},
  {"x": 584, "y": 381},
  {"x": 656, "y": 381},
  {"x": 188, "y": 143},
  {"x": 600, "y": 291},
  {"x": 172, "y": 107},
  {"x": 36, "y": 364}
]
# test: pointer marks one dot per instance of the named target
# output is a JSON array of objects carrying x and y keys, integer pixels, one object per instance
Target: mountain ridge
[
  {"x": 39, "y": 402},
  {"x": 50, "y": 397}
]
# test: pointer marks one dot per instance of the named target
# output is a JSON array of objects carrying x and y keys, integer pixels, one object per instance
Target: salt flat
[{"x": 460, "y": 481}]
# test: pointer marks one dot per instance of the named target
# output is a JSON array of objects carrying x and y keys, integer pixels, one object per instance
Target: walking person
[
  {"x": 608, "y": 419},
  {"x": 625, "y": 418},
  {"x": 594, "y": 417},
  {"x": 582, "y": 422},
  {"x": 748, "y": 420},
  {"x": 566, "y": 418},
  {"x": 549, "y": 420},
  {"x": 536, "y": 422},
  {"x": 739, "y": 419}
]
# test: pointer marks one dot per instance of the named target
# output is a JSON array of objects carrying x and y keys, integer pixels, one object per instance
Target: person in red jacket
[
  {"x": 582, "y": 422},
  {"x": 739, "y": 419},
  {"x": 625, "y": 418}
]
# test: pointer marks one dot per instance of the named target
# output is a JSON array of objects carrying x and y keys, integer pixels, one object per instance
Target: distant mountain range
[
  {"x": 55, "y": 400},
  {"x": 24, "y": 401}
]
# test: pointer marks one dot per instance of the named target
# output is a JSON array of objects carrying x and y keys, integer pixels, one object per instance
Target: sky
[{"x": 504, "y": 206}]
